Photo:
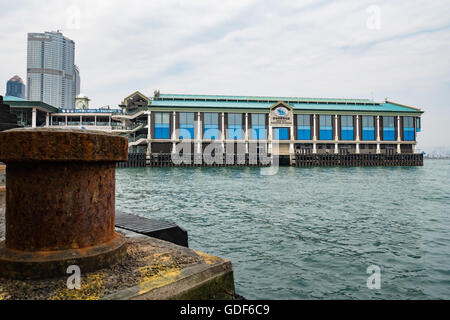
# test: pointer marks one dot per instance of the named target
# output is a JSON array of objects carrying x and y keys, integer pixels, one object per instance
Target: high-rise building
[
  {"x": 15, "y": 87},
  {"x": 51, "y": 71}
]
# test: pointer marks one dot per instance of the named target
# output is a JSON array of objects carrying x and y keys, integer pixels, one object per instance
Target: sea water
[{"x": 309, "y": 233}]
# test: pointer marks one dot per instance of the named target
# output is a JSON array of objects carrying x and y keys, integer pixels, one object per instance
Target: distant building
[
  {"x": 52, "y": 76},
  {"x": 15, "y": 87}
]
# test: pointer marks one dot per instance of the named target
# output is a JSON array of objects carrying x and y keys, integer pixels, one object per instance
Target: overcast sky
[{"x": 354, "y": 49}]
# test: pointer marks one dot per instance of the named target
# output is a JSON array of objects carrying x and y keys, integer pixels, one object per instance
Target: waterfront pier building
[{"x": 300, "y": 131}]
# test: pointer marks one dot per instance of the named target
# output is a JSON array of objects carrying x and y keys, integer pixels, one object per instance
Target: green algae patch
[
  {"x": 162, "y": 270},
  {"x": 209, "y": 259},
  {"x": 3, "y": 295}
]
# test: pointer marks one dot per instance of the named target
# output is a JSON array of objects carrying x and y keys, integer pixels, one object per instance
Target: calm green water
[{"x": 309, "y": 233}]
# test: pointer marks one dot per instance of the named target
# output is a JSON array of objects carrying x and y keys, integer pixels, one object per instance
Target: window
[
  {"x": 211, "y": 125},
  {"x": 73, "y": 121},
  {"x": 235, "y": 126},
  {"x": 326, "y": 129},
  {"x": 347, "y": 128},
  {"x": 23, "y": 119},
  {"x": 186, "y": 125},
  {"x": 258, "y": 126},
  {"x": 418, "y": 124},
  {"x": 368, "y": 128},
  {"x": 162, "y": 125},
  {"x": 281, "y": 133},
  {"x": 88, "y": 121},
  {"x": 388, "y": 128},
  {"x": 408, "y": 129},
  {"x": 304, "y": 127}
]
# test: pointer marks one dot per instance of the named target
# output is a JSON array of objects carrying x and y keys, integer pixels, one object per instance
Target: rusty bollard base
[
  {"x": 16, "y": 264},
  {"x": 60, "y": 201}
]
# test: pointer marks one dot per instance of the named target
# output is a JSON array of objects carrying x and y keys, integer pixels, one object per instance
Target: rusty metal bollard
[{"x": 60, "y": 201}]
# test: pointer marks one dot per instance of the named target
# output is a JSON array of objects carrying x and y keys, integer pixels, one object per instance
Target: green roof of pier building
[
  {"x": 254, "y": 103},
  {"x": 255, "y": 98}
]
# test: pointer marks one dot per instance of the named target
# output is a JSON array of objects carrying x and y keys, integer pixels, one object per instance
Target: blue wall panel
[
  {"x": 186, "y": 131},
  {"x": 162, "y": 131},
  {"x": 258, "y": 132},
  {"x": 211, "y": 131},
  {"x": 368, "y": 134},
  {"x": 326, "y": 133},
  {"x": 304, "y": 133},
  {"x": 389, "y": 134},
  {"x": 281, "y": 133},
  {"x": 235, "y": 132},
  {"x": 347, "y": 133},
  {"x": 408, "y": 134}
]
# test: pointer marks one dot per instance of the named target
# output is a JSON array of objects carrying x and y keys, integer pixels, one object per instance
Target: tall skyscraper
[
  {"x": 51, "y": 71},
  {"x": 15, "y": 87}
]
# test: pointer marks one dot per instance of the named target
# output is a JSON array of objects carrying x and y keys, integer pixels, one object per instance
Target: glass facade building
[
  {"x": 52, "y": 76},
  {"x": 15, "y": 87}
]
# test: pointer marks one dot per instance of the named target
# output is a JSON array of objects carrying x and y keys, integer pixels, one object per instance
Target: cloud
[{"x": 293, "y": 48}]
